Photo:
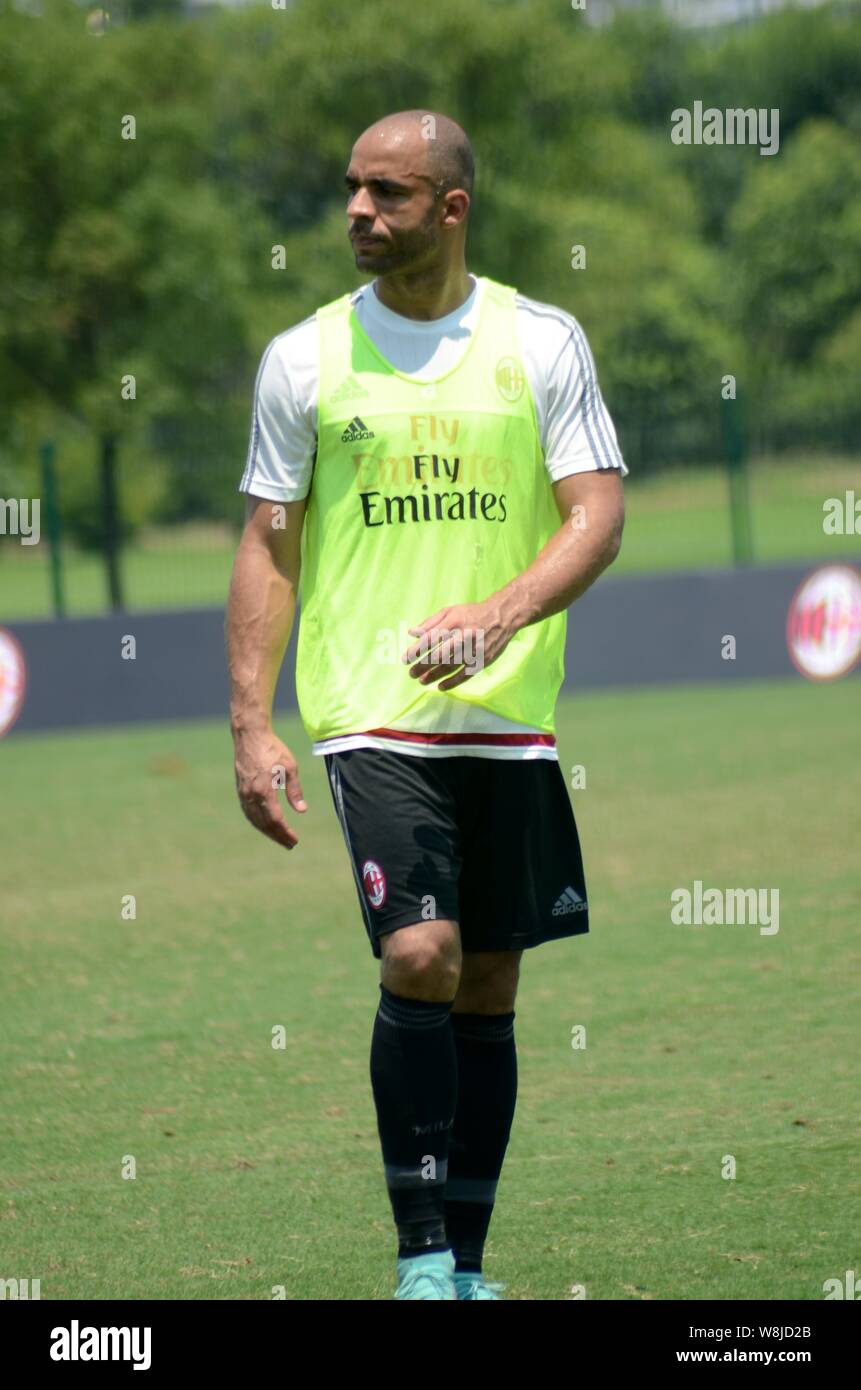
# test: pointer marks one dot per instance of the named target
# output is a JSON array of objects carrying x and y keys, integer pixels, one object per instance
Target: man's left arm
[{"x": 592, "y": 509}]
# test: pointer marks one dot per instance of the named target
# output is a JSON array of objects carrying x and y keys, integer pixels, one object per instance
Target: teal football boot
[
  {"x": 427, "y": 1276},
  {"x": 472, "y": 1287}
]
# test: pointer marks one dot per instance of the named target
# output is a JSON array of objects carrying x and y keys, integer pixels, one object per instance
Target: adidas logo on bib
[
  {"x": 349, "y": 390},
  {"x": 568, "y": 901},
  {"x": 356, "y": 430}
]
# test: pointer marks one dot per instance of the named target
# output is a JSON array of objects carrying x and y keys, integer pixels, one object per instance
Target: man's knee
[
  {"x": 422, "y": 961},
  {"x": 488, "y": 982}
]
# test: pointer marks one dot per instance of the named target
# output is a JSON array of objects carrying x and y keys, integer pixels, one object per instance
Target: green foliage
[
  {"x": 795, "y": 236},
  {"x": 151, "y": 258},
  {"x": 141, "y": 483}
]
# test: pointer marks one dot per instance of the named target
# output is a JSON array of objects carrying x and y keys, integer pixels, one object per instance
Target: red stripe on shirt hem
[{"x": 489, "y": 740}]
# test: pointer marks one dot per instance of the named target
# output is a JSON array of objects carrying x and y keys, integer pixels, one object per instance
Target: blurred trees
[
  {"x": 795, "y": 236},
  {"x": 151, "y": 258}
]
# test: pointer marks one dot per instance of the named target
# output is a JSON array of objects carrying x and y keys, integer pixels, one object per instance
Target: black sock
[
  {"x": 487, "y": 1092},
  {"x": 414, "y": 1080}
]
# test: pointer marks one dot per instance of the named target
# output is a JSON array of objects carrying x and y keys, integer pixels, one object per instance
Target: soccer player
[{"x": 431, "y": 452}]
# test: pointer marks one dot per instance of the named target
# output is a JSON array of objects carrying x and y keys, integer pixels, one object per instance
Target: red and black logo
[{"x": 374, "y": 882}]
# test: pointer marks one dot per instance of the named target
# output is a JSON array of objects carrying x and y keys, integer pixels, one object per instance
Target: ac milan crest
[{"x": 374, "y": 881}]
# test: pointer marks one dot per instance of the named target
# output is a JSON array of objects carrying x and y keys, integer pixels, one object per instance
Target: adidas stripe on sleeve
[
  {"x": 283, "y": 424},
  {"x": 577, "y": 430}
]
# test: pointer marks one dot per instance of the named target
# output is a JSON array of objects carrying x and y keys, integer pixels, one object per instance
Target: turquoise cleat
[
  {"x": 427, "y": 1276},
  {"x": 472, "y": 1287}
]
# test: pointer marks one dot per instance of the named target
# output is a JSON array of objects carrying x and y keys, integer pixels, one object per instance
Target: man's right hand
[{"x": 264, "y": 767}]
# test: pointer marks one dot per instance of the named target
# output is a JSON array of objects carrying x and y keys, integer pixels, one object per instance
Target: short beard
[{"x": 411, "y": 252}]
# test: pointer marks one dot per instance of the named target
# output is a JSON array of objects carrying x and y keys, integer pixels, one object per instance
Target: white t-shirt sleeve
[
  {"x": 579, "y": 432},
  {"x": 284, "y": 425}
]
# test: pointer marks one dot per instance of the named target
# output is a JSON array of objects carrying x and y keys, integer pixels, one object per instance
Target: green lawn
[
  {"x": 679, "y": 520},
  {"x": 258, "y": 1167}
]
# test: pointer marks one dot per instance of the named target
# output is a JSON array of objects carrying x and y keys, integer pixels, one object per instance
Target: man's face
[{"x": 391, "y": 204}]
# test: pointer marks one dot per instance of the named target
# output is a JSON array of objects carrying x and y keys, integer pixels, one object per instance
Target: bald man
[{"x": 431, "y": 452}]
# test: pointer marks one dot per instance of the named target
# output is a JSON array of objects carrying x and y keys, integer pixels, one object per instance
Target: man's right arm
[{"x": 260, "y": 612}]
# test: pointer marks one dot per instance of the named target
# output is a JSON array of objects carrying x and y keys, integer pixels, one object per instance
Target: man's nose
[{"x": 361, "y": 204}]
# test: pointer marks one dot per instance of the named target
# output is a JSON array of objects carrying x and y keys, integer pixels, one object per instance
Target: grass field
[
  {"x": 677, "y": 520},
  {"x": 257, "y": 1167}
]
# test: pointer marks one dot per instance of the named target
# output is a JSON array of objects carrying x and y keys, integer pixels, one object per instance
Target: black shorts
[{"x": 485, "y": 842}]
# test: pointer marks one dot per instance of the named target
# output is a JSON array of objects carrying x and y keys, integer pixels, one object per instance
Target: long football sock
[
  {"x": 486, "y": 1097},
  {"x": 414, "y": 1080}
]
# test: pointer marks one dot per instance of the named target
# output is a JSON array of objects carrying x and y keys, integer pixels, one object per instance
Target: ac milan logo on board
[
  {"x": 13, "y": 680},
  {"x": 823, "y": 627},
  {"x": 374, "y": 881}
]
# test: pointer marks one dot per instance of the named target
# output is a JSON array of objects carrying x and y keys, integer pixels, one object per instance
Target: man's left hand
[{"x": 457, "y": 643}]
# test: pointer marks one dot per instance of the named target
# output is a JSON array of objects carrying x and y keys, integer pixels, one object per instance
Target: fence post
[
  {"x": 47, "y": 458},
  {"x": 110, "y": 520},
  {"x": 736, "y": 453}
]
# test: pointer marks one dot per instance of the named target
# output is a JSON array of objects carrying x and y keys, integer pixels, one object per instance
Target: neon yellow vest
[{"x": 422, "y": 496}]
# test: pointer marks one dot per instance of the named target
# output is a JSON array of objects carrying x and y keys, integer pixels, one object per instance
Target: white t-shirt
[{"x": 577, "y": 436}]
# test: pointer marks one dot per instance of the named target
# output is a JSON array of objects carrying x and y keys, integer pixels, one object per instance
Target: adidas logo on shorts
[
  {"x": 356, "y": 430},
  {"x": 349, "y": 390},
  {"x": 568, "y": 901}
]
